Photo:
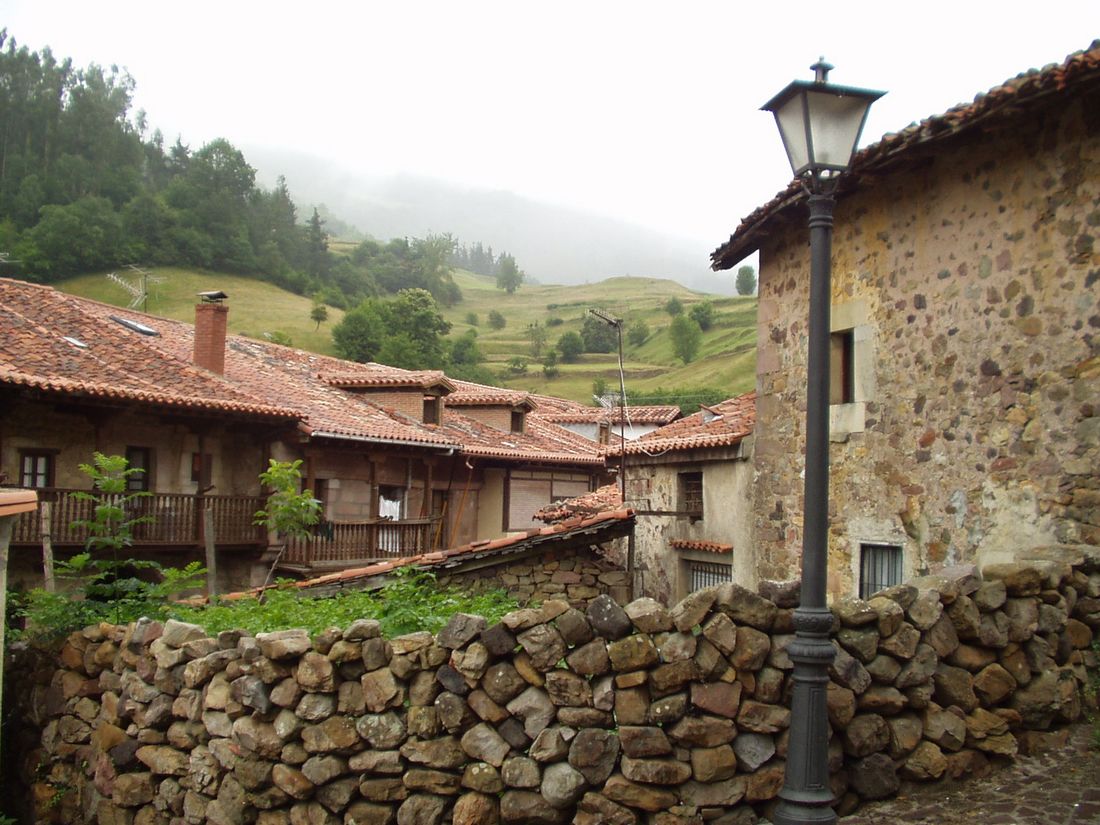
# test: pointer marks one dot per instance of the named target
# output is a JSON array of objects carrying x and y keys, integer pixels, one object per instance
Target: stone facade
[
  {"x": 967, "y": 275},
  {"x": 560, "y": 713}
]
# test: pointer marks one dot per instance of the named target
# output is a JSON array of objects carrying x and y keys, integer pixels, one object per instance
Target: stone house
[
  {"x": 689, "y": 484},
  {"x": 398, "y": 470},
  {"x": 965, "y": 357}
]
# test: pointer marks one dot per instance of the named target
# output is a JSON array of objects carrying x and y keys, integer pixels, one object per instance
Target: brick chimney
[{"x": 211, "y": 319}]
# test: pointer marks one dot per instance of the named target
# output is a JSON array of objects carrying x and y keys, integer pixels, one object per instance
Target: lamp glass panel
[
  {"x": 791, "y": 120},
  {"x": 835, "y": 124}
]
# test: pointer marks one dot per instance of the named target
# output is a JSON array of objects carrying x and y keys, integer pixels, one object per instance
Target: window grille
[
  {"x": 691, "y": 494},
  {"x": 879, "y": 568},
  {"x": 708, "y": 573}
]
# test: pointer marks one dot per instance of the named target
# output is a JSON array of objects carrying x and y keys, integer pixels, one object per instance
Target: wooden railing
[
  {"x": 176, "y": 519},
  {"x": 337, "y": 543}
]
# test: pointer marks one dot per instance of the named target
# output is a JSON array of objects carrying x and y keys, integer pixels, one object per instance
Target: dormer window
[
  {"x": 431, "y": 409},
  {"x": 518, "y": 422}
]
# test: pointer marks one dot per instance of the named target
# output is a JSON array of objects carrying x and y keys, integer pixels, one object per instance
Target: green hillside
[
  {"x": 726, "y": 358},
  {"x": 255, "y": 307}
]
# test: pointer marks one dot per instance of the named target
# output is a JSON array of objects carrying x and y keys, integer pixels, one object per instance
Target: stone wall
[
  {"x": 970, "y": 281},
  {"x": 586, "y": 714}
]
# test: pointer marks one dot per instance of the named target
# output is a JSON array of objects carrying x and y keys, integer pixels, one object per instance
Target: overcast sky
[{"x": 644, "y": 111}]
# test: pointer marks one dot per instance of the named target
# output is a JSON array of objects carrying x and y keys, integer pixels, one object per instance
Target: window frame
[
  {"x": 432, "y": 413},
  {"x": 690, "y": 490},
  {"x": 50, "y": 457},
  {"x": 881, "y": 565},
  {"x": 518, "y": 423},
  {"x": 842, "y": 366},
  {"x": 139, "y": 482}
]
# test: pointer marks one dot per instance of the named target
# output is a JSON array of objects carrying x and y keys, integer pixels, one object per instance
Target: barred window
[
  {"x": 879, "y": 568},
  {"x": 707, "y": 573},
  {"x": 691, "y": 494}
]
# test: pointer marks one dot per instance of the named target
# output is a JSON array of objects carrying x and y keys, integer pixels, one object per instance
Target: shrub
[
  {"x": 496, "y": 320},
  {"x": 637, "y": 333},
  {"x": 570, "y": 345},
  {"x": 472, "y": 319},
  {"x": 554, "y": 321},
  {"x": 674, "y": 306},
  {"x": 703, "y": 315}
]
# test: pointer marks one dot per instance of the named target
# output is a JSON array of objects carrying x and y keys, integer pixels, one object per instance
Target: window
[
  {"x": 139, "y": 458},
  {"x": 517, "y": 421},
  {"x": 879, "y": 568},
  {"x": 202, "y": 465},
  {"x": 842, "y": 383},
  {"x": 36, "y": 468},
  {"x": 604, "y": 433},
  {"x": 431, "y": 409},
  {"x": 691, "y": 495},
  {"x": 707, "y": 574},
  {"x": 391, "y": 502}
]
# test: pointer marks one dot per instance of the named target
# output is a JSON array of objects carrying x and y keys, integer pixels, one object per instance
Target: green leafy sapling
[{"x": 289, "y": 513}]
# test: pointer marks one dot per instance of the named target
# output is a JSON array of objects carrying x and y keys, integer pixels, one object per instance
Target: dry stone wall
[{"x": 592, "y": 713}]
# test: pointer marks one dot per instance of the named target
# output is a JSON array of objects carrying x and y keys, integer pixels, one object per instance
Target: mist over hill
[{"x": 553, "y": 244}]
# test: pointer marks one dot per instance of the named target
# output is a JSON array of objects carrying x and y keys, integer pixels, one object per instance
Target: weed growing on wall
[{"x": 412, "y": 601}]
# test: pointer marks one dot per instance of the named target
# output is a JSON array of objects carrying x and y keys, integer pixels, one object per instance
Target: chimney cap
[{"x": 213, "y": 296}]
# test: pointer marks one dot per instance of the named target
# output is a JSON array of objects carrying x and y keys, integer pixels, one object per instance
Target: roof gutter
[{"x": 448, "y": 449}]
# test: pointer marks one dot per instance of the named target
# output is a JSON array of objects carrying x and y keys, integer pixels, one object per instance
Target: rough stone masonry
[{"x": 586, "y": 713}]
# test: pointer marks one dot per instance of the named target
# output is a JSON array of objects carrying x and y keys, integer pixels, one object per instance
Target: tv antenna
[{"x": 136, "y": 282}]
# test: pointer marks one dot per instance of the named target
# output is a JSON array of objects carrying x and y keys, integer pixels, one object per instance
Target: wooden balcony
[
  {"x": 344, "y": 544},
  {"x": 176, "y": 520}
]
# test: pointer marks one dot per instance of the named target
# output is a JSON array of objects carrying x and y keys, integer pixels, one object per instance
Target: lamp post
[{"x": 820, "y": 124}]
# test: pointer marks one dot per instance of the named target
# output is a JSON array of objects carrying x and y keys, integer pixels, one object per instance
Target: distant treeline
[{"x": 84, "y": 187}]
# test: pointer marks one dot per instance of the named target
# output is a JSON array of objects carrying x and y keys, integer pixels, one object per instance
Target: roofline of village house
[{"x": 1009, "y": 100}]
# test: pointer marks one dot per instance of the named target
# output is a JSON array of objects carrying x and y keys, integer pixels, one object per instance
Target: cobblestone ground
[{"x": 1058, "y": 787}]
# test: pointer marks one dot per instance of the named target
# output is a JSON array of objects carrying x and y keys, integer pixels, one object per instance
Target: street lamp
[{"x": 820, "y": 124}]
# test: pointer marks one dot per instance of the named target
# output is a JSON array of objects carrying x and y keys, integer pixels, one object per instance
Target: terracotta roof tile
[
  {"x": 706, "y": 546},
  {"x": 640, "y": 414},
  {"x": 719, "y": 425},
  {"x": 1015, "y": 98},
  {"x": 61, "y": 344},
  {"x": 381, "y": 376},
  {"x": 469, "y": 394},
  {"x": 601, "y": 500}
]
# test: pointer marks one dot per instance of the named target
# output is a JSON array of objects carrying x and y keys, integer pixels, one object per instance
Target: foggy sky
[{"x": 643, "y": 111}]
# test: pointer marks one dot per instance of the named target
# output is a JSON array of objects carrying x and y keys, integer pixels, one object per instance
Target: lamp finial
[{"x": 821, "y": 70}]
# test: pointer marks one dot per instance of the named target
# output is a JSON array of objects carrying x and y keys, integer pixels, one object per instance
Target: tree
[
  {"x": 536, "y": 334},
  {"x": 570, "y": 345},
  {"x": 686, "y": 337},
  {"x": 359, "y": 336},
  {"x": 289, "y": 513},
  {"x": 509, "y": 276},
  {"x": 746, "y": 280},
  {"x": 317, "y": 257},
  {"x": 703, "y": 314},
  {"x": 674, "y": 306},
  {"x": 637, "y": 333},
  {"x": 550, "y": 365},
  {"x": 496, "y": 320},
  {"x": 598, "y": 336},
  {"x": 319, "y": 313}
]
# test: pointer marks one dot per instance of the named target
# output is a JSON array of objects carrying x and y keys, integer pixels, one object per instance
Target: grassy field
[
  {"x": 726, "y": 359},
  {"x": 255, "y": 307}
]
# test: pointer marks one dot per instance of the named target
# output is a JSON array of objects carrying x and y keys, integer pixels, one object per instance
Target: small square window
[
  {"x": 879, "y": 567},
  {"x": 691, "y": 495},
  {"x": 36, "y": 468},
  {"x": 842, "y": 367}
]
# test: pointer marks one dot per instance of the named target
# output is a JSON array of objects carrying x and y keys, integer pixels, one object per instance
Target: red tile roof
[
  {"x": 605, "y": 498},
  {"x": 705, "y": 546},
  {"x": 60, "y": 344},
  {"x": 1013, "y": 99},
  {"x": 719, "y": 425},
  {"x": 612, "y": 523},
  {"x": 381, "y": 376},
  {"x": 469, "y": 394},
  {"x": 639, "y": 414},
  {"x": 261, "y": 378}
]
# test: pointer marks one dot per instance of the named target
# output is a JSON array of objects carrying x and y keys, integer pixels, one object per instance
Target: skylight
[
  {"x": 76, "y": 342},
  {"x": 134, "y": 325}
]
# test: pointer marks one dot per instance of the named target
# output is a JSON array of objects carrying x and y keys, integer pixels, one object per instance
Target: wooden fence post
[
  {"x": 47, "y": 546},
  {"x": 211, "y": 555}
]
